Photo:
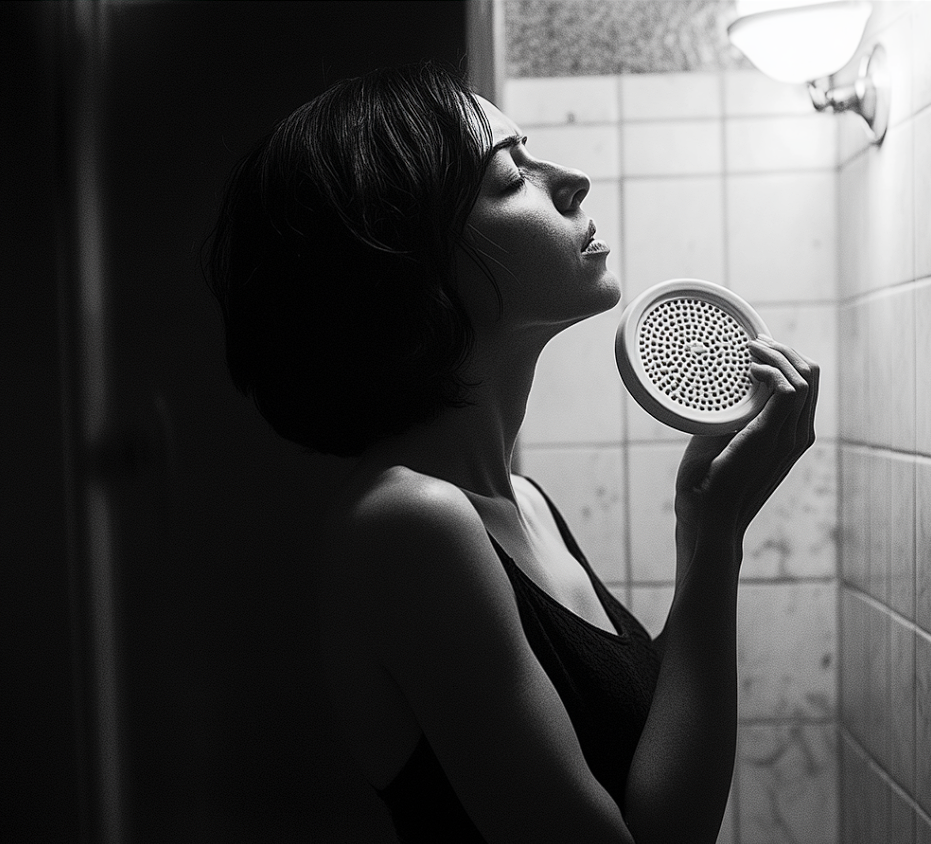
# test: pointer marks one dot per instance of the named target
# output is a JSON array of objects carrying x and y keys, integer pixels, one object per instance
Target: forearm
[{"x": 680, "y": 777}]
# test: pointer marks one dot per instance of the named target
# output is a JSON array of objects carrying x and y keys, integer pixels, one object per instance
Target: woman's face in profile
[{"x": 535, "y": 236}]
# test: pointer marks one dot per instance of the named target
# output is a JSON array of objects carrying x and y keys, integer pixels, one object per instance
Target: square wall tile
[
  {"x": 673, "y": 228},
  {"x": 891, "y": 413},
  {"x": 586, "y": 484},
  {"x": 650, "y": 604},
  {"x": 885, "y": 13},
  {"x": 922, "y": 388},
  {"x": 902, "y": 708},
  {"x": 812, "y": 330},
  {"x": 877, "y": 804},
  {"x": 922, "y": 828},
  {"x": 854, "y": 515},
  {"x": 878, "y": 644},
  {"x": 898, "y": 40},
  {"x": 761, "y": 144},
  {"x": 577, "y": 394},
  {"x": 560, "y": 101},
  {"x": 923, "y": 543},
  {"x": 923, "y": 720},
  {"x": 854, "y": 389},
  {"x": 595, "y": 150},
  {"x": 781, "y": 232},
  {"x": 853, "y": 228},
  {"x": 673, "y": 148},
  {"x": 853, "y": 663},
  {"x": 901, "y": 817},
  {"x": 642, "y": 427},
  {"x": 852, "y": 136},
  {"x": 751, "y": 92},
  {"x": 853, "y": 793},
  {"x": 652, "y": 494},
  {"x": 678, "y": 96},
  {"x": 921, "y": 28},
  {"x": 922, "y": 190},
  {"x": 880, "y": 516},
  {"x": 787, "y": 650},
  {"x": 787, "y": 784},
  {"x": 891, "y": 227},
  {"x": 902, "y": 528},
  {"x": 795, "y": 534}
]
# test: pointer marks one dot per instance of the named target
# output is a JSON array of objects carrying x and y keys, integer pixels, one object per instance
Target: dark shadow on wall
[{"x": 225, "y": 735}]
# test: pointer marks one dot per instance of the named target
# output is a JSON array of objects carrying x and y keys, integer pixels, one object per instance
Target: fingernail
[{"x": 765, "y": 337}]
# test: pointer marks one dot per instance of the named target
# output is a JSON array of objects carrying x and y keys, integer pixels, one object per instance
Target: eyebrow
[{"x": 505, "y": 143}]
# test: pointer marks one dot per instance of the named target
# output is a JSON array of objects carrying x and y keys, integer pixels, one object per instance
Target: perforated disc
[{"x": 682, "y": 353}]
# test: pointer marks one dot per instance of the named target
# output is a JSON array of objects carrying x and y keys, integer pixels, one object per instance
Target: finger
[
  {"x": 811, "y": 372},
  {"x": 814, "y": 390},
  {"x": 770, "y": 356},
  {"x": 787, "y": 360},
  {"x": 767, "y": 426},
  {"x": 801, "y": 364}
]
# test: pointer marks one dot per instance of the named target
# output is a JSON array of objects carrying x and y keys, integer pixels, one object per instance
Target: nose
[{"x": 571, "y": 187}]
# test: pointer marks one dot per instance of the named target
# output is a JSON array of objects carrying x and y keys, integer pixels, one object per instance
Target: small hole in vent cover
[{"x": 682, "y": 353}]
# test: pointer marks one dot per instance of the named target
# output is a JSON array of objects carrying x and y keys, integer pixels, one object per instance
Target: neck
[{"x": 473, "y": 446}]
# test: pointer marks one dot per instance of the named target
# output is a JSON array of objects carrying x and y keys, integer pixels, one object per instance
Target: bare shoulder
[
  {"x": 401, "y": 513},
  {"x": 398, "y": 498},
  {"x": 397, "y": 531}
]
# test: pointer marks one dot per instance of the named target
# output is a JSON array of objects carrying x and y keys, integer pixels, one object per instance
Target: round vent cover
[{"x": 682, "y": 353}]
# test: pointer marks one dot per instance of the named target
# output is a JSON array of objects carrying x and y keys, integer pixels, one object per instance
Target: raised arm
[{"x": 680, "y": 777}]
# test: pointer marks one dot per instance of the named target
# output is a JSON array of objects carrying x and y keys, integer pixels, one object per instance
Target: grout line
[
  {"x": 878, "y": 605},
  {"x": 872, "y": 762},
  {"x": 863, "y": 448},
  {"x": 896, "y": 287}
]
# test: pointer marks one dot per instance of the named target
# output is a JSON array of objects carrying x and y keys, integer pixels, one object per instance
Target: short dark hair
[{"x": 333, "y": 258}]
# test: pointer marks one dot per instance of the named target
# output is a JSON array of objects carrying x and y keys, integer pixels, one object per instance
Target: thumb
[{"x": 697, "y": 459}]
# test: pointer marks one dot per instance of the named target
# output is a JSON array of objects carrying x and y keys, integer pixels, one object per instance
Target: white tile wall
[
  {"x": 891, "y": 226},
  {"x": 794, "y": 535},
  {"x": 922, "y": 191},
  {"x": 750, "y": 92},
  {"x": 921, "y": 56},
  {"x": 652, "y": 474},
  {"x": 782, "y": 236},
  {"x": 922, "y": 389},
  {"x": 891, "y": 369},
  {"x": 673, "y": 228},
  {"x": 673, "y": 96},
  {"x": 762, "y": 144},
  {"x": 787, "y": 650},
  {"x": 853, "y": 221},
  {"x": 673, "y": 148},
  {"x": 787, "y": 778},
  {"x": 561, "y": 101}
]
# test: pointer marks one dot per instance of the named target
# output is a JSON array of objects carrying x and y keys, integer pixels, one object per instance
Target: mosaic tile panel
[{"x": 598, "y": 37}]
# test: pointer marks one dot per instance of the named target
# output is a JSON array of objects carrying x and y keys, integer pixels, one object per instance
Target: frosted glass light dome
[{"x": 797, "y": 41}]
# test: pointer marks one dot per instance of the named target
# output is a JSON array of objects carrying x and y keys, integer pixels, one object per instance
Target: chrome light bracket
[{"x": 868, "y": 96}]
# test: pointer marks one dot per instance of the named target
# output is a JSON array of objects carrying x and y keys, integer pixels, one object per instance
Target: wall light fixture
[{"x": 800, "y": 41}]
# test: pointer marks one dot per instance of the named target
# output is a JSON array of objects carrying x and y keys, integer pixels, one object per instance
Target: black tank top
[{"x": 605, "y": 681}]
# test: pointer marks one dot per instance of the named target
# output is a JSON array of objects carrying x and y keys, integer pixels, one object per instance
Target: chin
[{"x": 610, "y": 291}]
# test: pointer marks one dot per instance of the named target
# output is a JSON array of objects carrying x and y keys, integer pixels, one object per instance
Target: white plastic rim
[{"x": 681, "y": 350}]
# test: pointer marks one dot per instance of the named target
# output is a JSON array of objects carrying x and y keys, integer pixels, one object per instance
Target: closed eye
[{"x": 515, "y": 184}]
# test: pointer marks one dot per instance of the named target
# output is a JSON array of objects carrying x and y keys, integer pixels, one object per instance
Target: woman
[{"x": 391, "y": 260}]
